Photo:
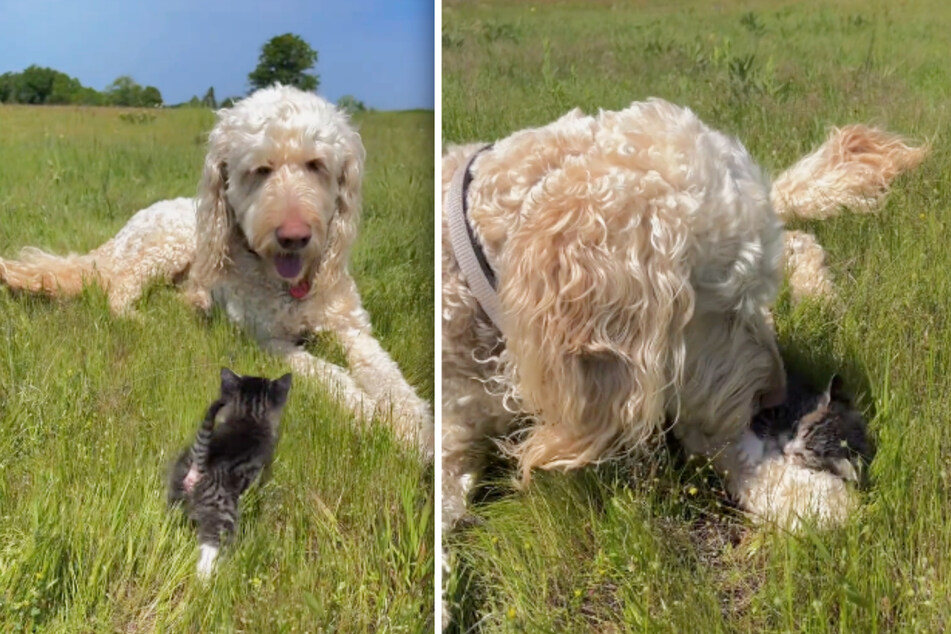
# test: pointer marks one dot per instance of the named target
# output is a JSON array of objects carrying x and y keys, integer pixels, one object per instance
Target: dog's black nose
[
  {"x": 293, "y": 243},
  {"x": 293, "y": 235}
]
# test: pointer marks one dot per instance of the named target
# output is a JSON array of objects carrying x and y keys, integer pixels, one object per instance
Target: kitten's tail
[{"x": 203, "y": 439}]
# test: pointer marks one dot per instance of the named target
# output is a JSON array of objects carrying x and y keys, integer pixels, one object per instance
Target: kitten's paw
[{"x": 206, "y": 561}]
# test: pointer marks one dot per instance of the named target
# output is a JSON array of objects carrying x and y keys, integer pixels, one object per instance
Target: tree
[
  {"x": 124, "y": 91},
  {"x": 65, "y": 89},
  {"x": 35, "y": 85},
  {"x": 91, "y": 97},
  {"x": 351, "y": 104},
  {"x": 209, "y": 99},
  {"x": 8, "y": 87},
  {"x": 150, "y": 97},
  {"x": 285, "y": 59}
]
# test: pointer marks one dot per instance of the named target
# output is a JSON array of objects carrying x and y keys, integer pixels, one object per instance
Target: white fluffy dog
[
  {"x": 267, "y": 239},
  {"x": 636, "y": 255}
]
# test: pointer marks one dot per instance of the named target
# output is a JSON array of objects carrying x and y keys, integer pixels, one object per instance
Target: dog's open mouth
[{"x": 288, "y": 265}]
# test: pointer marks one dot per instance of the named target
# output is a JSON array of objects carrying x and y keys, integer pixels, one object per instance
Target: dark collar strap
[
  {"x": 476, "y": 246},
  {"x": 470, "y": 257}
]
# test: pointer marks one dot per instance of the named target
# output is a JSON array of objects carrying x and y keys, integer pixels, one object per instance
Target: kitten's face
[
  {"x": 252, "y": 396},
  {"x": 832, "y": 437}
]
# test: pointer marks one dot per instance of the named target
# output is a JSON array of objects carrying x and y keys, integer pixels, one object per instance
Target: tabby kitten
[
  {"x": 210, "y": 476},
  {"x": 819, "y": 430}
]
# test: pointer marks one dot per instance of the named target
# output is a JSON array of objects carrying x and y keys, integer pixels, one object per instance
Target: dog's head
[{"x": 281, "y": 179}]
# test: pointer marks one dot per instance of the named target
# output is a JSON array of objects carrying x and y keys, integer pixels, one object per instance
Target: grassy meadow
[
  {"x": 93, "y": 407},
  {"x": 656, "y": 547}
]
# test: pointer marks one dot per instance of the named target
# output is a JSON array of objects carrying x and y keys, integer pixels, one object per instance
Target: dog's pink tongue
[
  {"x": 299, "y": 291},
  {"x": 288, "y": 266}
]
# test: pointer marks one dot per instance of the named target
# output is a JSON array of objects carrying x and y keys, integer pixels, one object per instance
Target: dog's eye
[
  {"x": 263, "y": 170},
  {"x": 315, "y": 165}
]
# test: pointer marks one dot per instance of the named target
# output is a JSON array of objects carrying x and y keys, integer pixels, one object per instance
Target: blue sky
[{"x": 379, "y": 51}]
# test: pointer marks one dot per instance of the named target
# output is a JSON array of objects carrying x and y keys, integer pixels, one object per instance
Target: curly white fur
[
  {"x": 637, "y": 253},
  {"x": 268, "y": 239},
  {"x": 157, "y": 242},
  {"x": 805, "y": 263},
  {"x": 852, "y": 170}
]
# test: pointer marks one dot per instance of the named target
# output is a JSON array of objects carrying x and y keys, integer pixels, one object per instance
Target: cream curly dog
[
  {"x": 267, "y": 239},
  {"x": 636, "y": 255}
]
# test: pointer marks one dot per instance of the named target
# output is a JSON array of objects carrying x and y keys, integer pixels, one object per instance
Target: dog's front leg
[
  {"x": 328, "y": 374},
  {"x": 466, "y": 430},
  {"x": 376, "y": 373}
]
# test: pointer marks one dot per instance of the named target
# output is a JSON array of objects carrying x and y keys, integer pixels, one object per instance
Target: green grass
[
  {"x": 93, "y": 407},
  {"x": 648, "y": 548}
]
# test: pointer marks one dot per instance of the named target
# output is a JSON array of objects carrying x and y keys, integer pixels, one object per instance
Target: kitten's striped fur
[
  {"x": 822, "y": 431},
  {"x": 226, "y": 457}
]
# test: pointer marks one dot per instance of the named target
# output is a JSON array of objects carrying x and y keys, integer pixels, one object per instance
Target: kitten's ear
[
  {"x": 229, "y": 381},
  {"x": 279, "y": 390},
  {"x": 836, "y": 391}
]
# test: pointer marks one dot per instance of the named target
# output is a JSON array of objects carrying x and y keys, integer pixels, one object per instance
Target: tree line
[
  {"x": 39, "y": 85},
  {"x": 285, "y": 58}
]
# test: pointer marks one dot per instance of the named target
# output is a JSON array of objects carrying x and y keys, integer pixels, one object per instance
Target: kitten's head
[
  {"x": 253, "y": 396},
  {"x": 832, "y": 437}
]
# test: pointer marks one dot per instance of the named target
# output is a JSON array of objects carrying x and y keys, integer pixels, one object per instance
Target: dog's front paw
[
  {"x": 412, "y": 420},
  {"x": 421, "y": 417}
]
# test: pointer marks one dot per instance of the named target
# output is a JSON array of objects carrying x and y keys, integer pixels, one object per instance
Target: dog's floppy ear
[
  {"x": 593, "y": 322},
  {"x": 343, "y": 227},
  {"x": 215, "y": 220},
  {"x": 350, "y": 179}
]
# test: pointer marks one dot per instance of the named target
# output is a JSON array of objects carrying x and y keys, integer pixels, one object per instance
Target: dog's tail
[
  {"x": 853, "y": 169},
  {"x": 40, "y": 272}
]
